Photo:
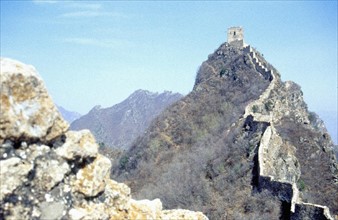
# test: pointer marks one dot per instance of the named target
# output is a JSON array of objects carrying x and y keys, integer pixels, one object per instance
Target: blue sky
[{"x": 97, "y": 53}]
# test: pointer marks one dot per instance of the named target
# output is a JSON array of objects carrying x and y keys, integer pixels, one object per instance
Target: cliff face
[
  {"x": 119, "y": 125},
  {"x": 48, "y": 172},
  {"x": 241, "y": 145}
]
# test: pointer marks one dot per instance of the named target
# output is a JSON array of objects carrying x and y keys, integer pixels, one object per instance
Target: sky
[{"x": 99, "y": 52}]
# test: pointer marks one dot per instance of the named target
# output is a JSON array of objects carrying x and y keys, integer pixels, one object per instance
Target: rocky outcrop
[
  {"x": 27, "y": 111},
  {"x": 48, "y": 172}
]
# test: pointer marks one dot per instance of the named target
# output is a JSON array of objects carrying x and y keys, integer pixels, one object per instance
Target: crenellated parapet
[
  {"x": 251, "y": 108},
  {"x": 260, "y": 67}
]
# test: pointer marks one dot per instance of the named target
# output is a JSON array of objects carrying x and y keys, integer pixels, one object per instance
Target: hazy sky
[{"x": 92, "y": 52}]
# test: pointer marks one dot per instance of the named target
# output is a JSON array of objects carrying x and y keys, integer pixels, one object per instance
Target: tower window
[{"x": 234, "y": 33}]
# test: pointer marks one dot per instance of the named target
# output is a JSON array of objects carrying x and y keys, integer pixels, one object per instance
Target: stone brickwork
[
  {"x": 236, "y": 36},
  {"x": 279, "y": 178}
]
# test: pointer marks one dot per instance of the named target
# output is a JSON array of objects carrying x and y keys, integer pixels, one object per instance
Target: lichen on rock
[
  {"x": 48, "y": 172},
  {"x": 91, "y": 180},
  {"x": 14, "y": 172},
  {"x": 80, "y": 144},
  {"x": 27, "y": 110}
]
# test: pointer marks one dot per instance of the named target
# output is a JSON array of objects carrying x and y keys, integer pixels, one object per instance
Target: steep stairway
[{"x": 250, "y": 109}]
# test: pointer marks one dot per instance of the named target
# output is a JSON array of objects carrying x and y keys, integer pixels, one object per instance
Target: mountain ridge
[
  {"x": 213, "y": 135},
  {"x": 69, "y": 116},
  {"x": 117, "y": 126}
]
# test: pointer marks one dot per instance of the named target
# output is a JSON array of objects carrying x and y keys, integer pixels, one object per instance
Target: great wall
[
  {"x": 282, "y": 184},
  {"x": 82, "y": 189}
]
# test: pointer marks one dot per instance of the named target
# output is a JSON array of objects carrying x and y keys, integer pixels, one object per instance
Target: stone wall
[
  {"x": 48, "y": 172},
  {"x": 310, "y": 211},
  {"x": 259, "y": 114},
  {"x": 283, "y": 190},
  {"x": 278, "y": 173}
]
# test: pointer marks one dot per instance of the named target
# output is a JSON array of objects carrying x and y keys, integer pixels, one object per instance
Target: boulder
[
  {"x": 27, "y": 111},
  {"x": 14, "y": 171},
  {"x": 91, "y": 180},
  {"x": 80, "y": 144}
]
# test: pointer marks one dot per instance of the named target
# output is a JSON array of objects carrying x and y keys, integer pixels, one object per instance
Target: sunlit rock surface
[{"x": 27, "y": 111}]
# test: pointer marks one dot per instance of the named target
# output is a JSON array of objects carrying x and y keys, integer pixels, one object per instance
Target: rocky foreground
[{"x": 48, "y": 172}]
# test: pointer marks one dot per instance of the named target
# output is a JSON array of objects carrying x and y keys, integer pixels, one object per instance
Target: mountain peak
[
  {"x": 69, "y": 116},
  {"x": 248, "y": 135},
  {"x": 141, "y": 93},
  {"x": 117, "y": 126}
]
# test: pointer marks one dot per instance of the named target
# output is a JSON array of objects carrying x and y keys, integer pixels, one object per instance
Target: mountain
[
  {"x": 122, "y": 123},
  {"x": 69, "y": 116},
  {"x": 49, "y": 172},
  {"x": 241, "y": 145}
]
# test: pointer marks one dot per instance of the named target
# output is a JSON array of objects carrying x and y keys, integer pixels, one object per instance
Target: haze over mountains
[
  {"x": 241, "y": 145},
  {"x": 69, "y": 116},
  {"x": 330, "y": 119},
  {"x": 119, "y": 125}
]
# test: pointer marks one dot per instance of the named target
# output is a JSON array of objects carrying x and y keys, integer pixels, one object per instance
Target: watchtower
[{"x": 236, "y": 36}]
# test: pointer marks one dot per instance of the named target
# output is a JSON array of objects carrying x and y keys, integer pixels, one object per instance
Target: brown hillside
[{"x": 202, "y": 152}]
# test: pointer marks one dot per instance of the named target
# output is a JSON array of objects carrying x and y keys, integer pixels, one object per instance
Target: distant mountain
[
  {"x": 69, "y": 116},
  {"x": 119, "y": 125}
]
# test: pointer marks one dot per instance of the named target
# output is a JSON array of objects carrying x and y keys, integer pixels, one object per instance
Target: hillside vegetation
[
  {"x": 201, "y": 153},
  {"x": 118, "y": 126}
]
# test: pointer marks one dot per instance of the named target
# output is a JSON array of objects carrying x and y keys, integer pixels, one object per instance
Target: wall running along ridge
[{"x": 284, "y": 187}]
